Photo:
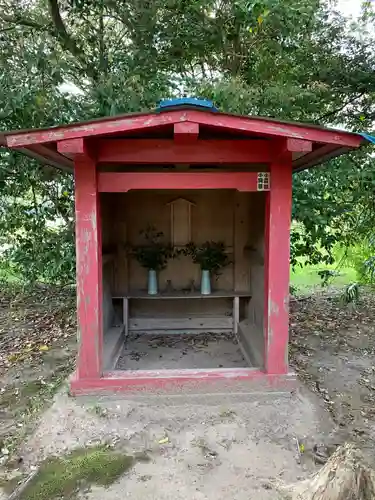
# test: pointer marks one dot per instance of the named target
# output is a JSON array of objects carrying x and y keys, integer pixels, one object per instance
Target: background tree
[{"x": 296, "y": 59}]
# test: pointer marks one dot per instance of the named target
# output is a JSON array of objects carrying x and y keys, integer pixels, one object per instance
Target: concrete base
[
  {"x": 152, "y": 367},
  {"x": 190, "y": 381}
]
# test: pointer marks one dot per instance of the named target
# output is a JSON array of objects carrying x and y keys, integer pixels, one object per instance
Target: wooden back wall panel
[{"x": 217, "y": 215}]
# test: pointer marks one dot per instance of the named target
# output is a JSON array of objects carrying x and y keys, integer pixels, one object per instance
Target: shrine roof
[{"x": 326, "y": 142}]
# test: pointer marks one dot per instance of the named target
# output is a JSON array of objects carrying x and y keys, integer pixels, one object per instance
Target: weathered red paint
[
  {"x": 40, "y": 152},
  {"x": 263, "y": 141},
  {"x": 120, "y": 182},
  {"x": 103, "y": 127},
  {"x": 271, "y": 128},
  {"x": 185, "y": 132},
  {"x": 162, "y": 151},
  {"x": 89, "y": 269},
  {"x": 250, "y": 125},
  {"x": 72, "y": 146},
  {"x": 277, "y": 254},
  {"x": 298, "y": 146},
  {"x": 126, "y": 381}
]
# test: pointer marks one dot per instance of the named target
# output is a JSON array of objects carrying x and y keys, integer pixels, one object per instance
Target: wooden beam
[
  {"x": 126, "y": 380},
  {"x": 72, "y": 147},
  {"x": 120, "y": 182},
  {"x": 323, "y": 153},
  {"x": 241, "y": 227},
  {"x": 277, "y": 266},
  {"x": 103, "y": 127},
  {"x": 273, "y": 128},
  {"x": 133, "y": 123},
  {"x": 298, "y": 146},
  {"x": 284, "y": 146},
  {"x": 49, "y": 156},
  {"x": 185, "y": 132},
  {"x": 162, "y": 151},
  {"x": 89, "y": 269}
]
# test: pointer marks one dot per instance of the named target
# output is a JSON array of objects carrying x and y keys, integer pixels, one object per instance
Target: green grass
[
  {"x": 62, "y": 477},
  {"x": 307, "y": 279},
  {"x": 8, "y": 273}
]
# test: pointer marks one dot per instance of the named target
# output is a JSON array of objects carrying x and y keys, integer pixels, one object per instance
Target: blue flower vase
[
  {"x": 152, "y": 282},
  {"x": 205, "y": 282}
]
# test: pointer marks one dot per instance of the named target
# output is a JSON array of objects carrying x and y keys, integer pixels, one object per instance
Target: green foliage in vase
[
  {"x": 153, "y": 253},
  {"x": 211, "y": 255}
]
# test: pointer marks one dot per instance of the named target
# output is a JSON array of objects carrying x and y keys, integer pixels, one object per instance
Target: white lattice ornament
[{"x": 264, "y": 183}]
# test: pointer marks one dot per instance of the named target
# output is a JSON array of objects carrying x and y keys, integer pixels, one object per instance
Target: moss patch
[
  {"x": 63, "y": 477},
  {"x": 9, "y": 485}
]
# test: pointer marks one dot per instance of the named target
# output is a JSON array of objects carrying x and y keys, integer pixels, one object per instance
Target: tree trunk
[{"x": 345, "y": 476}]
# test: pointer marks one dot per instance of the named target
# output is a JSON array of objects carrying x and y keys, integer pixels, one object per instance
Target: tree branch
[
  {"x": 103, "y": 62},
  {"x": 61, "y": 32},
  {"x": 58, "y": 31},
  {"x": 340, "y": 108},
  {"x": 67, "y": 41},
  {"x": 21, "y": 21}
]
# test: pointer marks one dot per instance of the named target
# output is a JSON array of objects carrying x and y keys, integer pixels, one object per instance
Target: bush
[{"x": 362, "y": 258}]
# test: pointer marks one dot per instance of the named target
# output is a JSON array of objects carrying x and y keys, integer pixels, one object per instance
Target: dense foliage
[
  {"x": 153, "y": 253},
  {"x": 65, "y": 60},
  {"x": 211, "y": 255}
]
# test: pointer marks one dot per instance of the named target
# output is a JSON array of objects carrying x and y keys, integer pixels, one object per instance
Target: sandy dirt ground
[
  {"x": 219, "y": 446},
  {"x": 333, "y": 351},
  {"x": 37, "y": 351},
  {"x": 229, "y": 444}
]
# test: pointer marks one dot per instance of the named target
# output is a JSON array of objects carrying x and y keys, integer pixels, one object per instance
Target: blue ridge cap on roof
[
  {"x": 370, "y": 138},
  {"x": 187, "y": 101}
]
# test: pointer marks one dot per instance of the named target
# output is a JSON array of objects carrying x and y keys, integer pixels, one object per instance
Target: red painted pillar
[
  {"x": 277, "y": 265},
  {"x": 89, "y": 269}
]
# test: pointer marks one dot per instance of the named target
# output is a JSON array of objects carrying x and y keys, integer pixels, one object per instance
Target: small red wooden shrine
[{"x": 186, "y": 147}]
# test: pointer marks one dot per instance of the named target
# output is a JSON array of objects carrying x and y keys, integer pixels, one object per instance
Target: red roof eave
[{"x": 38, "y": 142}]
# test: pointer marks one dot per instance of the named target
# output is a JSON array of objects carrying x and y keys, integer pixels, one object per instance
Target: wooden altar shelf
[
  {"x": 220, "y": 294},
  {"x": 188, "y": 324}
]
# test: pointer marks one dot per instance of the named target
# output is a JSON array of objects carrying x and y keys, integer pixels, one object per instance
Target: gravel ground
[
  {"x": 218, "y": 446},
  {"x": 332, "y": 349},
  {"x": 158, "y": 352}
]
